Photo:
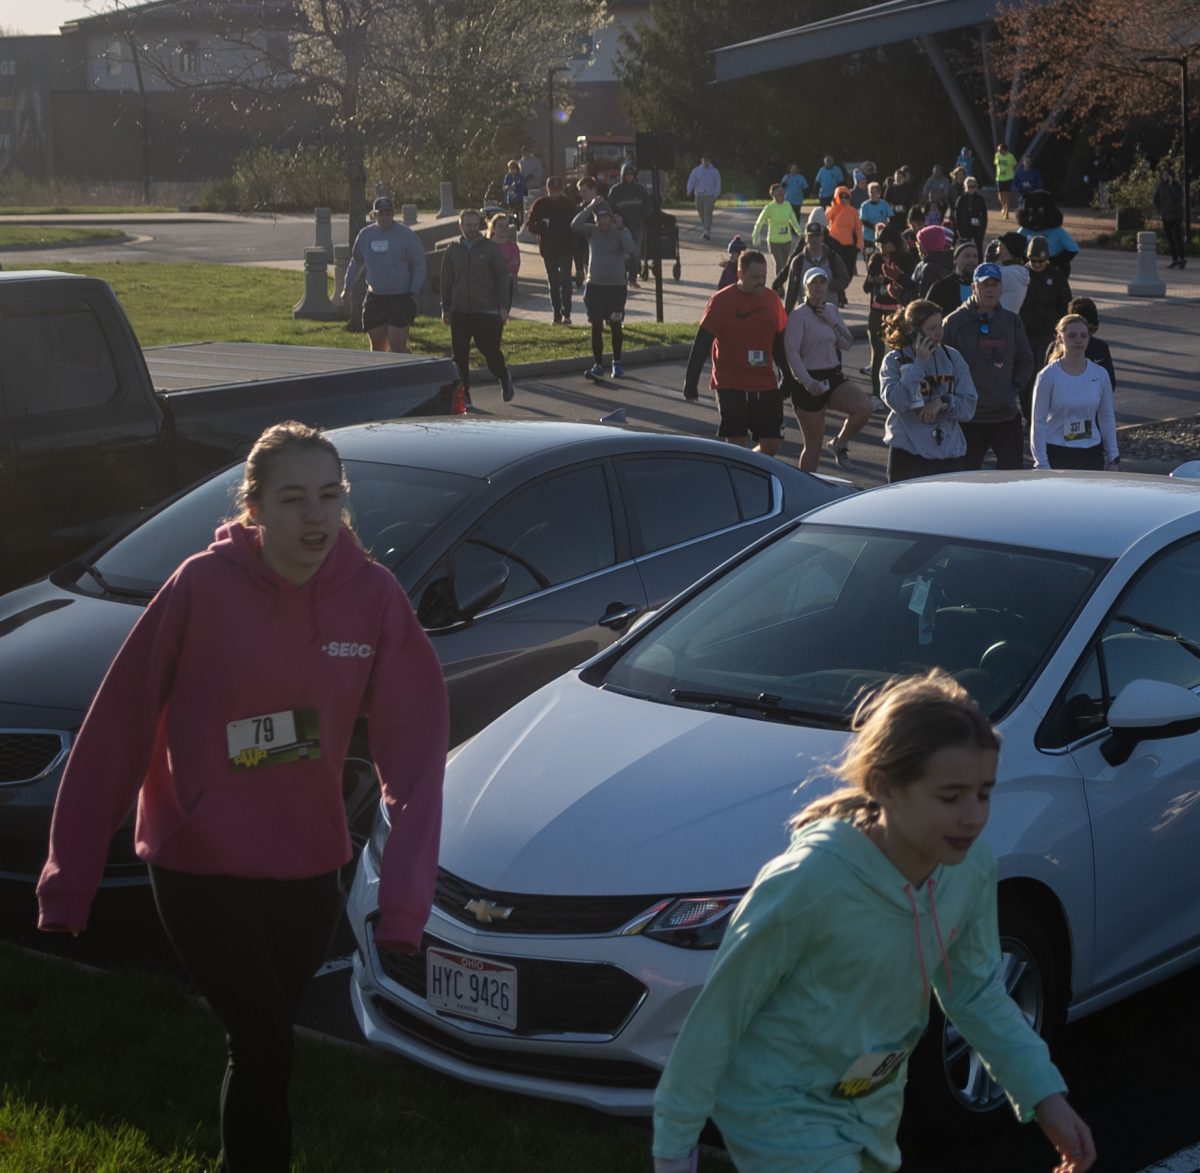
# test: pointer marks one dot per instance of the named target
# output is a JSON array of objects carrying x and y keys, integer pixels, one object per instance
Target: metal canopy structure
[{"x": 870, "y": 28}]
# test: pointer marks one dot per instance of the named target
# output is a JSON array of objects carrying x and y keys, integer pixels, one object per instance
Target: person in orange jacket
[{"x": 845, "y": 232}]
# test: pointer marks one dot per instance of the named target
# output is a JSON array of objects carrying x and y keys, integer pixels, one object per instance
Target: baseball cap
[
  {"x": 383, "y": 204},
  {"x": 815, "y": 272},
  {"x": 1039, "y": 246},
  {"x": 813, "y": 229},
  {"x": 988, "y": 271}
]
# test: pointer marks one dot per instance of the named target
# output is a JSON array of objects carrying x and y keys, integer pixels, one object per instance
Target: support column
[
  {"x": 324, "y": 234},
  {"x": 315, "y": 303},
  {"x": 447, "y": 195},
  {"x": 983, "y": 153}
]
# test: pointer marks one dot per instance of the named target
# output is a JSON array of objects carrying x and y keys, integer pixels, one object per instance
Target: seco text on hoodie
[{"x": 227, "y": 641}]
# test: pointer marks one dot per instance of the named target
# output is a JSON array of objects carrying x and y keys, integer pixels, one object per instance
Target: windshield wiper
[
  {"x": 116, "y": 592},
  {"x": 1163, "y": 632},
  {"x": 769, "y": 704}
]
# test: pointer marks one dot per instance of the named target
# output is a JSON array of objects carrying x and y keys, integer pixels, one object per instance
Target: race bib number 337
[{"x": 274, "y": 738}]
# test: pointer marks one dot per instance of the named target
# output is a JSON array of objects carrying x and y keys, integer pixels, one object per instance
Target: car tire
[{"x": 948, "y": 1088}]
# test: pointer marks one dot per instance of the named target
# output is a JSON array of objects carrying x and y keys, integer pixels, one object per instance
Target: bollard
[
  {"x": 315, "y": 303},
  {"x": 1147, "y": 282},
  {"x": 324, "y": 237},
  {"x": 341, "y": 262},
  {"x": 524, "y": 235},
  {"x": 408, "y": 213},
  {"x": 447, "y": 195}
]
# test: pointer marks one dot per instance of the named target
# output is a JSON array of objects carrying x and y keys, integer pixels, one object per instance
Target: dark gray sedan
[{"x": 525, "y": 548}]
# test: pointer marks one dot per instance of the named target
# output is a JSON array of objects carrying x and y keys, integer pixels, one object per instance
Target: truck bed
[{"x": 209, "y": 364}]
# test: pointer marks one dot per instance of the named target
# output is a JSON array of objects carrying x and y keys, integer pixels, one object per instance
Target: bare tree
[{"x": 1080, "y": 61}]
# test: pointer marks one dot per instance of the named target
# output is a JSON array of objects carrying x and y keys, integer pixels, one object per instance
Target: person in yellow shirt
[
  {"x": 1006, "y": 169},
  {"x": 775, "y": 226}
]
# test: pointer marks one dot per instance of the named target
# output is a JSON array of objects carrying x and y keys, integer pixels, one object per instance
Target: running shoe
[
  {"x": 507, "y": 388},
  {"x": 595, "y": 371},
  {"x": 618, "y": 371},
  {"x": 841, "y": 456}
]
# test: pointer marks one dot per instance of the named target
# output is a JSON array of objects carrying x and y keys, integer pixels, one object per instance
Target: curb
[
  {"x": 641, "y": 357},
  {"x": 34, "y": 246}
]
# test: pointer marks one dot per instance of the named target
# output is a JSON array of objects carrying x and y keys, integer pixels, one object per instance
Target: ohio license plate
[{"x": 473, "y": 987}]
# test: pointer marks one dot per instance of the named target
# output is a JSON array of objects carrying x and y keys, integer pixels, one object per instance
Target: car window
[
  {"x": 551, "y": 532},
  {"x": 55, "y": 358},
  {"x": 824, "y": 612},
  {"x": 753, "y": 492},
  {"x": 674, "y": 499},
  {"x": 393, "y": 509},
  {"x": 1151, "y": 633}
]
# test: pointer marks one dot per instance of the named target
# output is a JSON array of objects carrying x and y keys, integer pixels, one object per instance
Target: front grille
[
  {"x": 565, "y": 1068},
  {"x": 553, "y": 997},
  {"x": 582, "y": 915},
  {"x": 25, "y": 754}
]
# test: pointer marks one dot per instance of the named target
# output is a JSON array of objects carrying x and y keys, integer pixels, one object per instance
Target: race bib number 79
[{"x": 273, "y": 738}]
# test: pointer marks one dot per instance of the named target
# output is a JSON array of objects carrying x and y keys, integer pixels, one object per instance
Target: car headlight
[{"x": 693, "y": 922}]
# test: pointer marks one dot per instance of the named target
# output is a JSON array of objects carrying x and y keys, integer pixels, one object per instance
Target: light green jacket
[
  {"x": 821, "y": 988},
  {"x": 777, "y": 222}
]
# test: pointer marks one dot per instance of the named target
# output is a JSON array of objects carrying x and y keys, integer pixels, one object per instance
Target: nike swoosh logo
[{"x": 739, "y": 315}]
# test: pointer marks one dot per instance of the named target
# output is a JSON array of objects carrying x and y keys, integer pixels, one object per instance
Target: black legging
[
  {"x": 598, "y": 341},
  {"x": 251, "y": 946}
]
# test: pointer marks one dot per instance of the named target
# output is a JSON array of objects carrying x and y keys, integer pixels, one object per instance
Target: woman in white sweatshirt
[{"x": 1074, "y": 424}]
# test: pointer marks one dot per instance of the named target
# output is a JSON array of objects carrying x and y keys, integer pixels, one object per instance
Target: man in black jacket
[
  {"x": 550, "y": 221},
  {"x": 950, "y": 292}
]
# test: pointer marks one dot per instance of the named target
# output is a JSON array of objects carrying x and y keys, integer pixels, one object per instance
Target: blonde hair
[
  {"x": 1057, "y": 347},
  {"x": 276, "y": 440},
  {"x": 899, "y": 727}
]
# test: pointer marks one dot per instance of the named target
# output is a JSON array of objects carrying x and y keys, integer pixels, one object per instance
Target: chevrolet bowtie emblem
[{"x": 486, "y": 911}]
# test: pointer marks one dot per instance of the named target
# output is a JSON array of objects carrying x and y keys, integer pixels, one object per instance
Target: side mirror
[
  {"x": 1148, "y": 710},
  {"x": 477, "y": 589}
]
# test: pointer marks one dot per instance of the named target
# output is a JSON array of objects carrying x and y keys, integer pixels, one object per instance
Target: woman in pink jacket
[{"x": 227, "y": 715}]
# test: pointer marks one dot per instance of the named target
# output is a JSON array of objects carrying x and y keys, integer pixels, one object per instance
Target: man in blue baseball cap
[{"x": 996, "y": 348}]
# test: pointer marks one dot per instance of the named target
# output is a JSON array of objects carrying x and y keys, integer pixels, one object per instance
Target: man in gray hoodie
[
  {"x": 476, "y": 298},
  {"x": 609, "y": 246},
  {"x": 996, "y": 348}
]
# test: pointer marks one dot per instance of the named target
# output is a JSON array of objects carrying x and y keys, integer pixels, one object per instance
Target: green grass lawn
[
  {"x": 191, "y": 302},
  {"x": 13, "y": 235},
  {"x": 120, "y": 1071}
]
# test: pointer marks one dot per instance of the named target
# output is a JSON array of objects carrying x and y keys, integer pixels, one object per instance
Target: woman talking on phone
[
  {"x": 813, "y": 340},
  {"x": 227, "y": 714},
  {"x": 928, "y": 390}
]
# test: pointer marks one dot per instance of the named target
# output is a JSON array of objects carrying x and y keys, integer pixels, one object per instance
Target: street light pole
[{"x": 1182, "y": 63}]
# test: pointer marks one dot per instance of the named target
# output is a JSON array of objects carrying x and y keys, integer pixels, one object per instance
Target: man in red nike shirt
[{"x": 742, "y": 328}]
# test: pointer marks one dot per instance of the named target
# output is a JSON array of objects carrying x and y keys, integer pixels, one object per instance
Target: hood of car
[
  {"x": 55, "y": 646},
  {"x": 580, "y": 791}
]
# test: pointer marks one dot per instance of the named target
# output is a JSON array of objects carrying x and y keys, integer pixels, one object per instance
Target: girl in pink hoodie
[{"x": 227, "y": 715}]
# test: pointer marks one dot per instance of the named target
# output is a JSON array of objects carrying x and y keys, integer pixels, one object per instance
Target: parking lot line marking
[{"x": 1185, "y": 1161}]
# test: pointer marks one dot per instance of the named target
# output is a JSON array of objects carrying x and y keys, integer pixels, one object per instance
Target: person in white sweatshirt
[{"x": 1073, "y": 423}]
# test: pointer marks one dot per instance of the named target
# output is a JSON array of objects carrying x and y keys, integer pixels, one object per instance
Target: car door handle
[{"x": 619, "y": 615}]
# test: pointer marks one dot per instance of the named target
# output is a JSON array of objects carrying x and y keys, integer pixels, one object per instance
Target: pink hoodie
[{"x": 228, "y": 639}]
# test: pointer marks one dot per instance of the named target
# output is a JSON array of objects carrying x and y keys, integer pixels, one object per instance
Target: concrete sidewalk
[{"x": 1101, "y": 274}]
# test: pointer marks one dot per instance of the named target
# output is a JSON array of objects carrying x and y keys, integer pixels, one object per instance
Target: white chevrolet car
[{"x": 598, "y": 835}]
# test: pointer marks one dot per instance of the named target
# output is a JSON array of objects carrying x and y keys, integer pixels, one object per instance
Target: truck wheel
[{"x": 949, "y": 1089}]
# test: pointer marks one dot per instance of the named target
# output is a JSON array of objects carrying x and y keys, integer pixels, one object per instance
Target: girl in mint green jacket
[{"x": 798, "y": 1044}]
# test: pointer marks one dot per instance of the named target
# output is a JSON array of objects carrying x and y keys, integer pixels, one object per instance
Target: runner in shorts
[
  {"x": 742, "y": 330},
  {"x": 813, "y": 342},
  {"x": 394, "y": 262}
]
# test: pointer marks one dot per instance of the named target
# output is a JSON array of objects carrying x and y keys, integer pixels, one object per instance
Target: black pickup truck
[{"x": 93, "y": 429}]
